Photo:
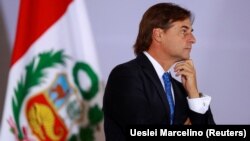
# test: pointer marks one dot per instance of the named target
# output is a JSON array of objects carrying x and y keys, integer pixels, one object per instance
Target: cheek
[
  {"x": 170, "y": 41},
  {"x": 174, "y": 43}
]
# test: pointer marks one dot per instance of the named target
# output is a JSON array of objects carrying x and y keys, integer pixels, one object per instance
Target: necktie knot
[{"x": 166, "y": 78}]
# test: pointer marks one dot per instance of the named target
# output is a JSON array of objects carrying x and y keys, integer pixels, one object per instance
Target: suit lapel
[
  {"x": 150, "y": 72},
  {"x": 181, "y": 105}
]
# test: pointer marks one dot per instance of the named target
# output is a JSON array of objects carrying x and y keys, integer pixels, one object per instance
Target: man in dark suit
[{"x": 136, "y": 91}]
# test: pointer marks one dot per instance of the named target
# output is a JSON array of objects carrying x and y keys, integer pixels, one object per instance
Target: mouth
[{"x": 188, "y": 48}]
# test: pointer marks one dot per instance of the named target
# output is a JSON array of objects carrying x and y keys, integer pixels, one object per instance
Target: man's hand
[
  {"x": 188, "y": 77},
  {"x": 188, "y": 122}
]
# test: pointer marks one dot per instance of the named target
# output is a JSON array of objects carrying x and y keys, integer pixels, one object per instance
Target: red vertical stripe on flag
[{"x": 35, "y": 17}]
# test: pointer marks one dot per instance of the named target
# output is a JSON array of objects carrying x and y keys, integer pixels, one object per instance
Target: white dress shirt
[{"x": 199, "y": 105}]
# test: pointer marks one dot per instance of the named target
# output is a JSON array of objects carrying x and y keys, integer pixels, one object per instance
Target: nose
[{"x": 192, "y": 38}]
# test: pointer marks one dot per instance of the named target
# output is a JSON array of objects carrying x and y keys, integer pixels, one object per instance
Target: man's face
[{"x": 178, "y": 39}]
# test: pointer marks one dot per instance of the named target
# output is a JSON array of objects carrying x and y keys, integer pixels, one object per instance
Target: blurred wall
[{"x": 221, "y": 53}]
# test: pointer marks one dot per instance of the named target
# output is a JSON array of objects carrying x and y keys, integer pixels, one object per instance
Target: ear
[{"x": 157, "y": 34}]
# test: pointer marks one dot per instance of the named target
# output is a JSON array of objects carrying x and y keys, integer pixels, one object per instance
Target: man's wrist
[{"x": 194, "y": 94}]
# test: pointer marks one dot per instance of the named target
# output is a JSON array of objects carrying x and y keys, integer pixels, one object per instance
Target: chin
[{"x": 185, "y": 58}]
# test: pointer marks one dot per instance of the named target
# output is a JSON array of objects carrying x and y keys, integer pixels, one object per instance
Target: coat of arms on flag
[{"x": 54, "y": 91}]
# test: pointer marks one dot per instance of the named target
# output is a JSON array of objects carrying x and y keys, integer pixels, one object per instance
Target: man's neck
[{"x": 163, "y": 60}]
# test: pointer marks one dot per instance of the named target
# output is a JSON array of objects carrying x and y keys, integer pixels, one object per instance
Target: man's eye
[{"x": 183, "y": 31}]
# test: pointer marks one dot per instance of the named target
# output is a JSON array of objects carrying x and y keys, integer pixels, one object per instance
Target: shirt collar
[{"x": 158, "y": 68}]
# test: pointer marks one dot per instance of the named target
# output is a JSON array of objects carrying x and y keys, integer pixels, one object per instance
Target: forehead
[{"x": 182, "y": 24}]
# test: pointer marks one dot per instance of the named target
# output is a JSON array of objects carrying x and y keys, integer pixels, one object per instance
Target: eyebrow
[{"x": 186, "y": 27}]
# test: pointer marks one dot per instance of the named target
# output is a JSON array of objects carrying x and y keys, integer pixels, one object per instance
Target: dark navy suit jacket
[{"x": 134, "y": 95}]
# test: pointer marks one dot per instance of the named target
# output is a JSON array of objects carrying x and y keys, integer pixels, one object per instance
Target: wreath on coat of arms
[{"x": 34, "y": 74}]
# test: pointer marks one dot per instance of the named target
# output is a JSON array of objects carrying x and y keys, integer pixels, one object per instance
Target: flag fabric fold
[{"x": 54, "y": 89}]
